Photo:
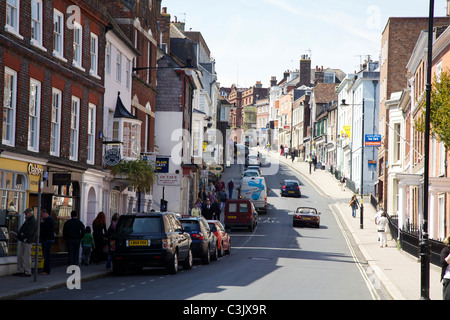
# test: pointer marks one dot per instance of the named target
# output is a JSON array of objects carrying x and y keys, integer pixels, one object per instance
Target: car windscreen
[
  {"x": 190, "y": 225},
  {"x": 251, "y": 174},
  {"x": 135, "y": 224}
]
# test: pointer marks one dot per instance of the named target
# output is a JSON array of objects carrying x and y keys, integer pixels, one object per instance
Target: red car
[{"x": 223, "y": 238}]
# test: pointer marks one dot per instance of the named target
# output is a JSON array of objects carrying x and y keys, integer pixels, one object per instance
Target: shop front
[{"x": 18, "y": 191}]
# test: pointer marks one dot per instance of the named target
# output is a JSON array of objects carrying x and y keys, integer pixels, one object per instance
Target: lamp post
[
  {"x": 361, "y": 207},
  {"x": 424, "y": 244}
]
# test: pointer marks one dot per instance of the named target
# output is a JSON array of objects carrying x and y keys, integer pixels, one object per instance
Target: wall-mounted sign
[
  {"x": 34, "y": 169},
  {"x": 61, "y": 179},
  {"x": 168, "y": 179},
  {"x": 373, "y": 140},
  {"x": 162, "y": 165},
  {"x": 112, "y": 157}
]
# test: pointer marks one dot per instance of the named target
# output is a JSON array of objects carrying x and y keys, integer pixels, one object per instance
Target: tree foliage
[
  {"x": 140, "y": 174},
  {"x": 439, "y": 109}
]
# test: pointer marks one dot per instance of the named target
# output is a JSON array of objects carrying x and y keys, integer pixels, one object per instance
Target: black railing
[{"x": 410, "y": 241}]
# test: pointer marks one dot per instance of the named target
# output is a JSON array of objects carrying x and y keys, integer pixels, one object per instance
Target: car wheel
[
  {"x": 188, "y": 262},
  {"x": 172, "y": 266},
  {"x": 228, "y": 251},
  {"x": 207, "y": 257},
  {"x": 221, "y": 250}
]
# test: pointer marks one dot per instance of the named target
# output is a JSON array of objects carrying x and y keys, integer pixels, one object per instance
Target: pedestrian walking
[
  {"x": 99, "y": 233},
  {"x": 73, "y": 231},
  {"x": 207, "y": 210},
  {"x": 26, "y": 237},
  {"x": 47, "y": 239},
  {"x": 354, "y": 204},
  {"x": 109, "y": 233},
  {"x": 202, "y": 194},
  {"x": 445, "y": 265},
  {"x": 230, "y": 188},
  {"x": 87, "y": 245},
  {"x": 342, "y": 182},
  {"x": 196, "y": 212},
  {"x": 314, "y": 161},
  {"x": 377, "y": 217},
  {"x": 382, "y": 234},
  {"x": 216, "y": 209},
  {"x": 292, "y": 155},
  {"x": 286, "y": 151}
]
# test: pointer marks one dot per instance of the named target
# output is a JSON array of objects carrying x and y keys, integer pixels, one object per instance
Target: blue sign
[
  {"x": 162, "y": 165},
  {"x": 373, "y": 140}
]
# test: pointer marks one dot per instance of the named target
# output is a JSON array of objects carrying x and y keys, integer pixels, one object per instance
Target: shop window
[{"x": 13, "y": 196}]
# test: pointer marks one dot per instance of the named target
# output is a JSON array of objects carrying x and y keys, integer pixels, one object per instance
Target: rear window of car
[
  {"x": 291, "y": 184},
  {"x": 190, "y": 225},
  {"x": 135, "y": 224},
  {"x": 243, "y": 208}
]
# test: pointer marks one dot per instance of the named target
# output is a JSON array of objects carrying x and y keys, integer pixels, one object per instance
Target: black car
[
  {"x": 155, "y": 240},
  {"x": 291, "y": 188},
  {"x": 204, "y": 242}
]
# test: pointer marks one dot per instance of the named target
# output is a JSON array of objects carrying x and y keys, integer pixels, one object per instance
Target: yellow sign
[
  {"x": 347, "y": 131},
  {"x": 40, "y": 256},
  {"x": 32, "y": 170}
]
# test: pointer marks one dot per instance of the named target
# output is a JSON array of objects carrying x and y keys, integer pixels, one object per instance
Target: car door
[{"x": 182, "y": 238}]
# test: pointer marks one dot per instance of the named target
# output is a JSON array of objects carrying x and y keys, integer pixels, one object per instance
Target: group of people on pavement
[
  {"x": 75, "y": 234},
  {"x": 211, "y": 202},
  {"x": 284, "y": 151}
]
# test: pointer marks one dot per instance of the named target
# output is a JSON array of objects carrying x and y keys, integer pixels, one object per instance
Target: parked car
[
  {"x": 240, "y": 213},
  {"x": 255, "y": 190},
  {"x": 155, "y": 239},
  {"x": 257, "y": 168},
  {"x": 291, "y": 188},
  {"x": 306, "y": 216},
  {"x": 204, "y": 242},
  {"x": 223, "y": 238},
  {"x": 251, "y": 173},
  {"x": 252, "y": 160}
]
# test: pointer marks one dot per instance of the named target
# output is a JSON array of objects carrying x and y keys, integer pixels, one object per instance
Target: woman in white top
[{"x": 382, "y": 235}]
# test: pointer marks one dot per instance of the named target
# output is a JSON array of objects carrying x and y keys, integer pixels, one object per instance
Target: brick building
[
  {"x": 51, "y": 75},
  {"x": 397, "y": 43}
]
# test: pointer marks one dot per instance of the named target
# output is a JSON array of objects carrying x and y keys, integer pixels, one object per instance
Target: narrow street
[{"x": 275, "y": 262}]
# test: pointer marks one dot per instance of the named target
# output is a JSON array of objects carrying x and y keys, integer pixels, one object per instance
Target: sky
[{"x": 253, "y": 40}]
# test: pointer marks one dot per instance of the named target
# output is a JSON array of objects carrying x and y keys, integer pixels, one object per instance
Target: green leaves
[
  {"x": 439, "y": 109},
  {"x": 140, "y": 174}
]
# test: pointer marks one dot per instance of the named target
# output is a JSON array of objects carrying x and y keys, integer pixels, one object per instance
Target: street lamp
[
  {"x": 361, "y": 207},
  {"x": 424, "y": 244}
]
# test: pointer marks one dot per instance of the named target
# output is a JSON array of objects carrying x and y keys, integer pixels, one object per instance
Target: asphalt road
[{"x": 275, "y": 262}]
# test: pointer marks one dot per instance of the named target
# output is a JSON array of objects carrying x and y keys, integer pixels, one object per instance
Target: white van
[{"x": 255, "y": 190}]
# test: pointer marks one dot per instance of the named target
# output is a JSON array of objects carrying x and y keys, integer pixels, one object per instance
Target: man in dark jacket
[
  {"x": 73, "y": 231},
  {"x": 26, "y": 237},
  {"x": 208, "y": 210},
  {"x": 47, "y": 235}
]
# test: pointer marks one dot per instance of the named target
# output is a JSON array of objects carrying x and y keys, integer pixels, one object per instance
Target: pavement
[{"x": 397, "y": 271}]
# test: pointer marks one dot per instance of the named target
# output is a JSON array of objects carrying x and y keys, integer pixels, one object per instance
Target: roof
[
  {"x": 121, "y": 111},
  {"x": 325, "y": 92}
]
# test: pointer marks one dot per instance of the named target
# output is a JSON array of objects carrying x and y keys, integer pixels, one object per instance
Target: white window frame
[
  {"x": 58, "y": 35},
  {"x": 9, "y": 107},
  {"x": 77, "y": 45},
  {"x": 55, "y": 122},
  {"x": 93, "y": 54},
  {"x": 12, "y": 17},
  {"x": 108, "y": 57},
  {"x": 34, "y": 115},
  {"x": 128, "y": 74},
  {"x": 74, "y": 128},
  {"x": 91, "y": 134},
  {"x": 36, "y": 24},
  {"x": 118, "y": 66}
]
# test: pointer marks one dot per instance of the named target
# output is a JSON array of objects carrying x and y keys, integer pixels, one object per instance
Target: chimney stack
[
  {"x": 305, "y": 71},
  {"x": 273, "y": 81}
]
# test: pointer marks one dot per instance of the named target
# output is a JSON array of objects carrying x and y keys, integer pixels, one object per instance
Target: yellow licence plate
[
  {"x": 138, "y": 243},
  {"x": 231, "y": 217}
]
